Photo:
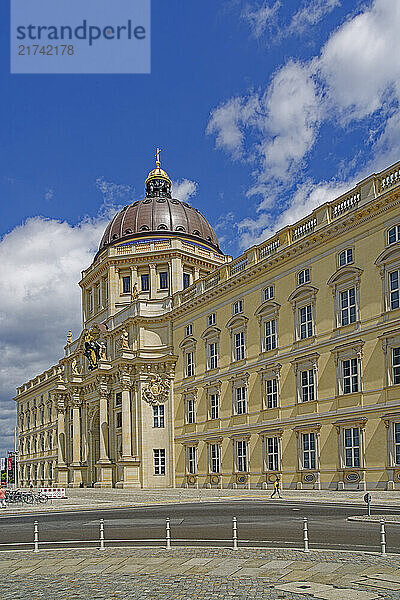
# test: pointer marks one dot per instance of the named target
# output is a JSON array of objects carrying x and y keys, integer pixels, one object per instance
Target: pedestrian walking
[
  {"x": 31, "y": 486},
  {"x": 3, "y": 497},
  {"x": 276, "y": 488}
]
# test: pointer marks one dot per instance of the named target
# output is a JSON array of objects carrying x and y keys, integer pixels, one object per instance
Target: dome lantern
[{"x": 158, "y": 184}]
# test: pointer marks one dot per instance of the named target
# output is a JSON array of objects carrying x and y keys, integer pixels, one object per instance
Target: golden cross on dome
[{"x": 158, "y": 157}]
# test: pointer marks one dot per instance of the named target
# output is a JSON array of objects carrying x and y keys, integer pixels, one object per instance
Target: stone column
[
  {"x": 177, "y": 275},
  {"x": 153, "y": 281},
  {"x": 78, "y": 469},
  {"x": 106, "y": 468},
  {"x": 134, "y": 279},
  {"x": 62, "y": 467},
  {"x": 130, "y": 464},
  {"x": 126, "y": 418}
]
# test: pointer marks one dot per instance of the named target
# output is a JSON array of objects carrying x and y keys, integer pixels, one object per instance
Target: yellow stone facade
[{"x": 284, "y": 362}]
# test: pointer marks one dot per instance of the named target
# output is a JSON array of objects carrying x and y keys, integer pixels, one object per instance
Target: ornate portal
[{"x": 157, "y": 391}]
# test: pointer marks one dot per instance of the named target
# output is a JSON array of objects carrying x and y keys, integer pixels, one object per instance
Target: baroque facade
[{"x": 193, "y": 369}]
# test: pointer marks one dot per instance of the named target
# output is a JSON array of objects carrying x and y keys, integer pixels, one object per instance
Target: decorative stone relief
[{"x": 158, "y": 389}]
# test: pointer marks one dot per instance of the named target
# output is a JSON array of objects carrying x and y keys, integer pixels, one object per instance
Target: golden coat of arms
[{"x": 157, "y": 391}]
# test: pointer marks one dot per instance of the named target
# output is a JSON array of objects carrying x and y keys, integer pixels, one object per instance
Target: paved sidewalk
[
  {"x": 193, "y": 574},
  {"x": 86, "y": 498}
]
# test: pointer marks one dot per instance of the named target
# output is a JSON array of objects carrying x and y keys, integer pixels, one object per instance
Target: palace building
[{"x": 197, "y": 370}]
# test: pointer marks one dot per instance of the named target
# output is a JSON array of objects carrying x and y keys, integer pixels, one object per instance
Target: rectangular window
[
  {"x": 394, "y": 234},
  {"x": 240, "y": 400},
  {"x": 272, "y": 393},
  {"x": 163, "y": 280},
  {"x": 268, "y": 293},
  {"x": 350, "y": 376},
  {"x": 191, "y": 459},
  {"x": 307, "y": 385},
  {"x": 239, "y": 346},
  {"x": 272, "y": 453},
  {"x": 394, "y": 290},
  {"x": 118, "y": 419},
  {"x": 237, "y": 307},
  {"x": 186, "y": 280},
  {"x": 190, "y": 410},
  {"x": 211, "y": 319},
  {"x": 145, "y": 282},
  {"x": 309, "y": 451},
  {"x": 397, "y": 442},
  {"x": 396, "y": 365},
  {"x": 306, "y": 323},
  {"x": 214, "y": 406},
  {"x": 303, "y": 276},
  {"x": 215, "y": 460},
  {"x": 212, "y": 355},
  {"x": 158, "y": 415},
  {"x": 126, "y": 285},
  {"x": 118, "y": 399},
  {"x": 346, "y": 257},
  {"x": 270, "y": 335},
  {"x": 159, "y": 461},
  {"x": 241, "y": 456},
  {"x": 352, "y": 447},
  {"x": 189, "y": 364},
  {"x": 348, "y": 307},
  {"x": 188, "y": 330}
]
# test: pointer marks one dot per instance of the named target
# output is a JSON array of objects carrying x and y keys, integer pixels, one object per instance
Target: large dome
[{"x": 158, "y": 213}]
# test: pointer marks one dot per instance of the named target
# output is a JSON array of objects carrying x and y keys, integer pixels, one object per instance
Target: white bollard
[
  {"x": 36, "y": 536},
  {"x": 199, "y": 494},
  {"x": 102, "y": 547},
  {"x": 168, "y": 533},
  {"x": 180, "y": 496},
  {"x": 234, "y": 533},
  {"x": 383, "y": 538},
  {"x": 305, "y": 534}
]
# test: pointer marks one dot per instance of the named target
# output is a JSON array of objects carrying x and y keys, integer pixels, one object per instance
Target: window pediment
[
  {"x": 390, "y": 338},
  {"x": 349, "y": 350},
  {"x": 304, "y": 292},
  {"x": 344, "y": 274},
  {"x": 270, "y": 371},
  {"x": 268, "y": 308},
  {"x": 389, "y": 255},
  {"x": 236, "y": 322},
  {"x": 211, "y": 332},
  {"x": 307, "y": 361},
  {"x": 189, "y": 342}
]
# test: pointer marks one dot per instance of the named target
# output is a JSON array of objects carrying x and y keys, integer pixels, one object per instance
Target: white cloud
[
  {"x": 305, "y": 199},
  {"x": 261, "y": 19},
  {"x": 293, "y": 112},
  {"x": 115, "y": 195},
  {"x": 49, "y": 195},
  {"x": 184, "y": 189},
  {"x": 229, "y": 120},
  {"x": 311, "y": 13},
  {"x": 355, "y": 76},
  {"x": 359, "y": 63},
  {"x": 41, "y": 262}
]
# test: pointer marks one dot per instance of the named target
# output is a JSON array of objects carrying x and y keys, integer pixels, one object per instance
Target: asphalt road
[{"x": 270, "y": 524}]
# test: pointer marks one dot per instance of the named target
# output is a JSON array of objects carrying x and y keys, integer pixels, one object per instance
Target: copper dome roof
[
  {"x": 163, "y": 216},
  {"x": 158, "y": 213}
]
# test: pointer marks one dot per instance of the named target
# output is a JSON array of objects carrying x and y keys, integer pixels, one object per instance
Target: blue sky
[{"x": 263, "y": 109}]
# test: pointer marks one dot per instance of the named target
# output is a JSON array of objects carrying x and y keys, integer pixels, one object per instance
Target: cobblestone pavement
[
  {"x": 193, "y": 574},
  {"x": 87, "y": 498}
]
